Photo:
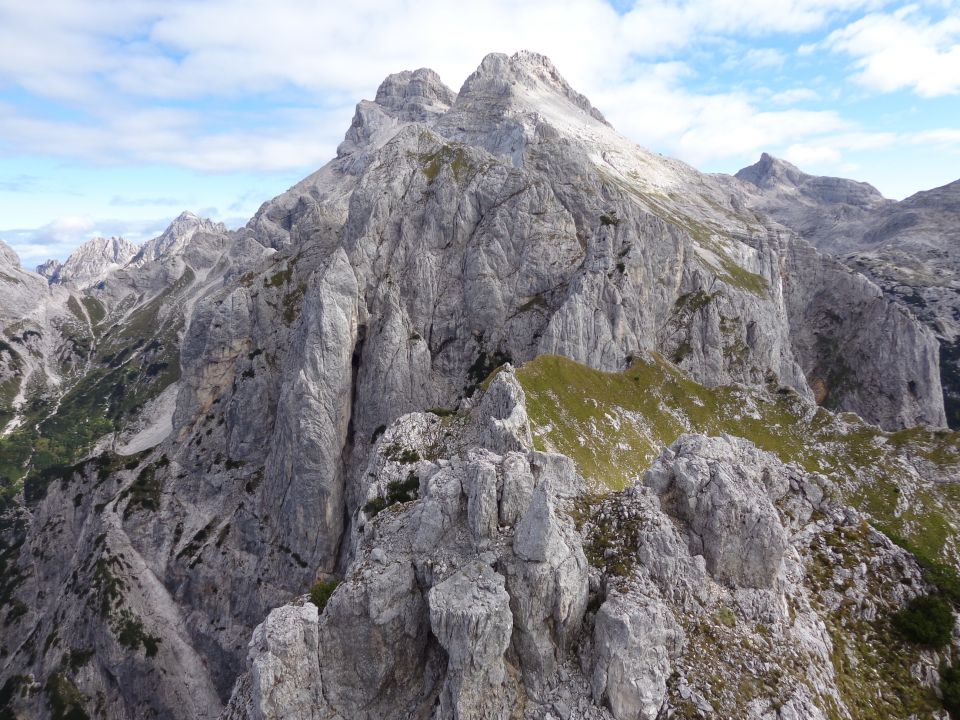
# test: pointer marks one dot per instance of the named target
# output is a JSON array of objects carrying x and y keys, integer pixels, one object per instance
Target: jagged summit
[
  {"x": 524, "y": 75},
  {"x": 90, "y": 263},
  {"x": 413, "y": 94},
  {"x": 183, "y": 228}
]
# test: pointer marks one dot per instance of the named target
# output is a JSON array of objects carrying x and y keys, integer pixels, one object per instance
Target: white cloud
[
  {"x": 122, "y": 66},
  {"x": 904, "y": 49},
  {"x": 701, "y": 128},
  {"x": 794, "y": 95}
]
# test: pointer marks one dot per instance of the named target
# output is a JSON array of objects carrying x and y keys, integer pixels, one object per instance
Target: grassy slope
[{"x": 614, "y": 425}]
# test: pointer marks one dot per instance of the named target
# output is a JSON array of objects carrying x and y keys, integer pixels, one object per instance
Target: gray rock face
[
  {"x": 285, "y": 663},
  {"x": 906, "y": 248},
  {"x": 90, "y": 263},
  {"x": 635, "y": 642},
  {"x": 445, "y": 607},
  {"x": 470, "y": 616},
  {"x": 176, "y": 238},
  {"x": 722, "y": 491},
  {"x": 446, "y": 613}
]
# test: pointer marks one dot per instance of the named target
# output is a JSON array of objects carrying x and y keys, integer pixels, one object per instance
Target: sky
[{"x": 117, "y": 116}]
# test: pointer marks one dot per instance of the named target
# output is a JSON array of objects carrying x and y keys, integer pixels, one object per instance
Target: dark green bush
[
  {"x": 927, "y": 620},
  {"x": 320, "y": 593},
  {"x": 398, "y": 491},
  {"x": 950, "y": 688}
]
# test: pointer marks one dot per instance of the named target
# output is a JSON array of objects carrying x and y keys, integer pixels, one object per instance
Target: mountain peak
[
  {"x": 90, "y": 262},
  {"x": 176, "y": 236},
  {"x": 524, "y": 73},
  {"x": 411, "y": 92},
  {"x": 770, "y": 171}
]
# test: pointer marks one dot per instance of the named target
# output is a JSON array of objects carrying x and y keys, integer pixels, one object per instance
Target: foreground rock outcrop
[{"x": 456, "y": 606}]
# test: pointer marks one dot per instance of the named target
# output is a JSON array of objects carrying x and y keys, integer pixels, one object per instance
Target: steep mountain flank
[
  {"x": 310, "y": 398},
  {"x": 908, "y": 248}
]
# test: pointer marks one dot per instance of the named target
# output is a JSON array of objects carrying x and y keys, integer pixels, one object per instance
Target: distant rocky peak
[
  {"x": 177, "y": 235},
  {"x": 89, "y": 263},
  {"x": 524, "y": 75},
  {"x": 8, "y": 256},
  {"x": 50, "y": 270},
  {"x": 769, "y": 172}
]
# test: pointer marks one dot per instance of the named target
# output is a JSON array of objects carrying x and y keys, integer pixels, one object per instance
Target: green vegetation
[
  {"x": 927, "y": 620},
  {"x": 441, "y": 412},
  {"x": 400, "y": 454},
  {"x": 454, "y": 155},
  {"x": 131, "y": 634},
  {"x": 133, "y": 363},
  {"x": 66, "y": 701},
  {"x": 398, "y": 491},
  {"x": 14, "y": 685},
  {"x": 615, "y": 424},
  {"x": 950, "y": 688},
  {"x": 144, "y": 492},
  {"x": 321, "y": 591},
  {"x": 76, "y": 659},
  {"x": 725, "y": 616},
  {"x": 610, "y": 545},
  {"x": 871, "y": 659},
  {"x": 279, "y": 278},
  {"x": 482, "y": 368},
  {"x": 95, "y": 309}
]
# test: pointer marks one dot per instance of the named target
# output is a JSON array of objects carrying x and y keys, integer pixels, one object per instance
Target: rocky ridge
[
  {"x": 252, "y": 386},
  {"x": 907, "y": 248},
  {"x": 90, "y": 263},
  {"x": 497, "y": 588}
]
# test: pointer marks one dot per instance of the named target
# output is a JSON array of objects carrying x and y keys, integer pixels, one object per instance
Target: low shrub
[
  {"x": 950, "y": 689},
  {"x": 927, "y": 620},
  {"x": 321, "y": 591}
]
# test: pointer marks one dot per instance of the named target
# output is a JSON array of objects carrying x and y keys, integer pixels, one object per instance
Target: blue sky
[{"x": 115, "y": 117}]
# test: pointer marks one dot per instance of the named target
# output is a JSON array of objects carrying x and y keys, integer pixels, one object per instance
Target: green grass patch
[
  {"x": 321, "y": 591},
  {"x": 66, "y": 701},
  {"x": 95, "y": 309},
  {"x": 398, "y": 491},
  {"x": 615, "y": 424}
]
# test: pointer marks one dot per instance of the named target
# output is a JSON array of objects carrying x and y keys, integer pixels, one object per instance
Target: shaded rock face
[
  {"x": 446, "y": 610},
  {"x": 634, "y": 644},
  {"x": 906, "y": 248}
]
